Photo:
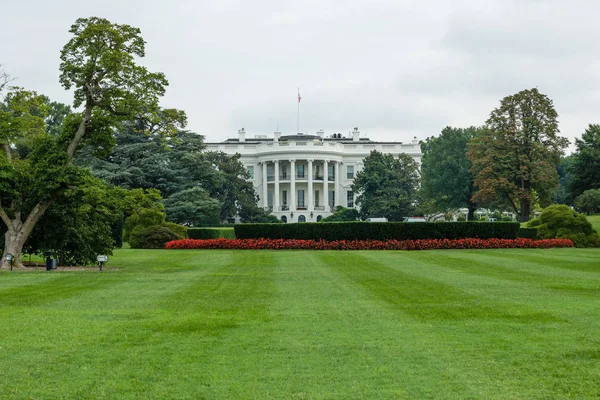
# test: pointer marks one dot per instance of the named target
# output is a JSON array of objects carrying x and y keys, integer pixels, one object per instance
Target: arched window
[
  {"x": 319, "y": 218},
  {"x": 284, "y": 218},
  {"x": 301, "y": 218}
]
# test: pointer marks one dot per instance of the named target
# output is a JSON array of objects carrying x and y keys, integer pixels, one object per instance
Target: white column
[
  {"x": 311, "y": 203},
  {"x": 276, "y": 190},
  {"x": 326, "y": 185},
  {"x": 338, "y": 167},
  {"x": 292, "y": 185},
  {"x": 265, "y": 199}
]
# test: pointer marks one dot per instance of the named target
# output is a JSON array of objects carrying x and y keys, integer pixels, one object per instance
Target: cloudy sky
[{"x": 395, "y": 69}]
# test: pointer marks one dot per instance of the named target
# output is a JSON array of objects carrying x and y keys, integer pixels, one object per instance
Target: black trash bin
[{"x": 50, "y": 260}]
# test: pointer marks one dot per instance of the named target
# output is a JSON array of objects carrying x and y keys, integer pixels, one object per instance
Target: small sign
[{"x": 102, "y": 258}]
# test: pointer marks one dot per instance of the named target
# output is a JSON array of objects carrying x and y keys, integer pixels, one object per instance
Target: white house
[{"x": 301, "y": 177}]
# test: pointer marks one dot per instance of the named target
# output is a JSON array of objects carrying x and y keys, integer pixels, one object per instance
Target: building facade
[{"x": 301, "y": 177}]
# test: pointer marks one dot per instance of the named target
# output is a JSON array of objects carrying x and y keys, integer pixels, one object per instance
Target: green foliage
[
  {"x": 527, "y": 233},
  {"x": 151, "y": 237},
  {"x": 447, "y": 181},
  {"x": 559, "y": 221},
  {"x": 192, "y": 207},
  {"x": 142, "y": 219},
  {"x": 342, "y": 214},
  {"x": 585, "y": 162},
  {"x": 514, "y": 160},
  {"x": 180, "y": 230},
  {"x": 589, "y": 201},
  {"x": 78, "y": 225},
  {"x": 378, "y": 231},
  {"x": 387, "y": 187},
  {"x": 211, "y": 233}
]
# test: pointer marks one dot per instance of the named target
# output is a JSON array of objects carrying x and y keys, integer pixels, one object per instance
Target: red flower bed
[{"x": 427, "y": 244}]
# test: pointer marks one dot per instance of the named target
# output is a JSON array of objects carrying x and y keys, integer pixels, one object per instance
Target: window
[
  {"x": 301, "y": 198},
  {"x": 331, "y": 172},
  {"x": 331, "y": 198},
  {"x": 251, "y": 172},
  {"x": 270, "y": 199},
  {"x": 350, "y": 199},
  {"x": 317, "y": 198},
  {"x": 300, "y": 169},
  {"x": 283, "y": 173},
  {"x": 301, "y": 218},
  {"x": 284, "y": 197},
  {"x": 317, "y": 172},
  {"x": 350, "y": 172},
  {"x": 270, "y": 172}
]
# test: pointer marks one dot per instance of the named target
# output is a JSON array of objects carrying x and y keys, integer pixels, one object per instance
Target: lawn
[
  {"x": 595, "y": 221},
  {"x": 445, "y": 324}
]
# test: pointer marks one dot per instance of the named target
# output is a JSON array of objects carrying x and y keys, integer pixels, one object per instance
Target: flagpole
[{"x": 298, "y": 121}]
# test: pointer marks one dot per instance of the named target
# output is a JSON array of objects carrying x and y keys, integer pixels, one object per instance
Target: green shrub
[
  {"x": 178, "y": 229},
  {"x": 379, "y": 231},
  {"x": 589, "y": 201},
  {"x": 559, "y": 221},
  {"x": 151, "y": 237},
  {"x": 211, "y": 233},
  {"x": 527, "y": 233}
]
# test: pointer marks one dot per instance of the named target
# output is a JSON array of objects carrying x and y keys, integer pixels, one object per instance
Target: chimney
[
  {"x": 415, "y": 140},
  {"x": 276, "y": 136},
  {"x": 355, "y": 135},
  {"x": 242, "y": 133},
  {"x": 321, "y": 133}
]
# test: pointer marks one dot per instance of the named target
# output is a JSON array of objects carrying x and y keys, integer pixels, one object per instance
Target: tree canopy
[
  {"x": 99, "y": 65},
  {"x": 387, "y": 186},
  {"x": 585, "y": 162},
  {"x": 446, "y": 178},
  {"x": 514, "y": 160}
]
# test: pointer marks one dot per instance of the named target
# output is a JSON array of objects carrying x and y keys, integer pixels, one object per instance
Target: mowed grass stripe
[
  {"x": 512, "y": 354},
  {"x": 151, "y": 324}
]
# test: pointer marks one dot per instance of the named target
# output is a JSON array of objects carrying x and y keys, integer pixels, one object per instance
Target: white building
[{"x": 301, "y": 177}]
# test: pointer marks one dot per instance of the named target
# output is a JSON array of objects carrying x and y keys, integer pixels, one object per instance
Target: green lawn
[
  {"x": 487, "y": 324},
  {"x": 595, "y": 221}
]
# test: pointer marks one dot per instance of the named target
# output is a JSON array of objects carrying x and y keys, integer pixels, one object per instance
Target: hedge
[
  {"x": 379, "y": 230},
  {"x": 527, "y": 233},
  {"x": 211, "y": 233}
]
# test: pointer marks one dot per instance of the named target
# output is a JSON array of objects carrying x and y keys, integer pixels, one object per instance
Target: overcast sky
[{"x": 395, "y": 69}]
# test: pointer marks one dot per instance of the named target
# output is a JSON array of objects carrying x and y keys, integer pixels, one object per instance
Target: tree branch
[{"x": 6, "y": 219}]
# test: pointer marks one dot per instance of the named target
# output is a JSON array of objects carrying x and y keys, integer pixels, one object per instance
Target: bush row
[
  {"x": 379, "y": 231},
  {"x": 427, "y": 244},
  {"x": 527, "y": 233},
  {"x": 211, "y": 233}
]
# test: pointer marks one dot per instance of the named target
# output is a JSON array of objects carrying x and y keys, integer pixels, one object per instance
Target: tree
[
  {"x": 585, "y": 162},
  {"x": 514, "y": 160},
  {"x": 387, "y": 187},
  {"x": 559, "y": 221},
  {"x": 77, "y": 226},
  {"x": 192, "y": 207},
  {"x": 589, "y": 201},
  {"x": 446, "y": 178},
  {"x": 99, "y": 65},
  {"x": 342, "y": 214}
]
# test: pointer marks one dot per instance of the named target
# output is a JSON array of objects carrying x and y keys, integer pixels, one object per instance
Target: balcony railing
[
  {"x": 319, "y": 208},
  {"x": 284, "y": 208},
  {"x": 284, "y": 176},
  {"x": 298, "y": 176},
  {"x": 268, "y": 208},
  {"x": 317, "y": 177},
  {"x": 301, "y": 208}
]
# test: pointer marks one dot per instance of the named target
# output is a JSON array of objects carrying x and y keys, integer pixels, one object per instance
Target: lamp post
[{"x": 10, "y": 258}]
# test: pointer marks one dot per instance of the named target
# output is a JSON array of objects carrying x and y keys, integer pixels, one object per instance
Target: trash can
[{"x": 50, "y": 260}]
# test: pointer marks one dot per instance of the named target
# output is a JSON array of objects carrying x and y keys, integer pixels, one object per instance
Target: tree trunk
[
  {"x": 13, "y": 244},
  {"x": 471, "y": 215},
  {"x": 525, "y": 210},
  {"x": 18, "y": 233}
]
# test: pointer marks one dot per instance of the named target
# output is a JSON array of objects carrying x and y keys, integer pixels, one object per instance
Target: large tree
[
  {"x": 585, "y": 162},
  {"x": 387, "y": 186},
  {"x": 446, "y": 178},
  {"x": 514, "y": 160},
  {"x": 99, "y": 65}
]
